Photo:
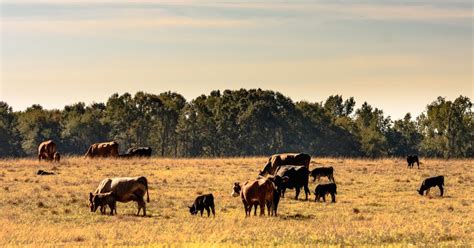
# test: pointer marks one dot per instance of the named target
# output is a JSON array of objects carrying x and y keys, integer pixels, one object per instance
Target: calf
[
  {"x": 289, "y": 177},
  {"x": 103, "y": 199},
  {"x": 323, "y": 189},
  {"x": 319, "y": 172},
  {"x": 432, "y": 182},
  {"x": 411, "y": 159},
  {"x": 203, "y": 202}
]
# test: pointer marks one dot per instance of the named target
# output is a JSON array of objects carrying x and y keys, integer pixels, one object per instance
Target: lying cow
[
  {"x": 46, "y": 150},
  {"x": 106, "y": 149},
  {"x": 255, "y": 193},
  {"x": 203, "y": 202},
  {"x": 432, "y": 182},
  {"x": 292, "y": 177},
  {"x": 279, "y": 160},
  {"x": 125, "y": 189},
  {"x": 319, "y": 172},
  {"x": 102, "y": 200},
  {"x": 44, "y": 173},
  {"x": 323, "y": 189},
  {"x": 411, "y": 160}
]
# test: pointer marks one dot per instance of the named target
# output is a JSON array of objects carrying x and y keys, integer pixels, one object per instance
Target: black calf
[
  {"x": 432, "y": 182},
  {"x": 323, "y": 189},
  {"x": 203, "y": 202},
  {"x": 411, "y": 160}
]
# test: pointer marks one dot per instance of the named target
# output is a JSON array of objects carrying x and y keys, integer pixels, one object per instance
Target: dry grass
[{"x": 377, "y": 205}]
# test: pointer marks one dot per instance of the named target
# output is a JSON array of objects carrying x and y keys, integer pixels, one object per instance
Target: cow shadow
[{"x": 297, "y": 217}]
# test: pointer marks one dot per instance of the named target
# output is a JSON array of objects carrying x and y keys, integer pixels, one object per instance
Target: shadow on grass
[{"x": 297, "y": 217}]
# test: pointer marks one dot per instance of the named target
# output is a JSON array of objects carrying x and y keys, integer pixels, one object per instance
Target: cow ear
[{"x": 91, "y": 195}]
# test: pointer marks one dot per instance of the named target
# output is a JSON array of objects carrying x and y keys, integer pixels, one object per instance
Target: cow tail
[
  {"x": 88, "y": 151},
  {"x": 147, "y": 194}
]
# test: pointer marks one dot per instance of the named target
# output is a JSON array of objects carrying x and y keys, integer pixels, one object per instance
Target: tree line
[{"x": 241, "y": 123}]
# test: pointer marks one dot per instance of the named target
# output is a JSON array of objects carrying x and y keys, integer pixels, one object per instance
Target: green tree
[{"x": 10, "y": 140}]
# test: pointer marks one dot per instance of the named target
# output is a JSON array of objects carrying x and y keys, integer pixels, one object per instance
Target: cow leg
[
  {"x": 306, "y": 191},
  {"x": 269, "y": 206},
  {"x": 333, "y": 197},
  {"x": 324, "y": 197},
  {"x": 213, "y": 210},
  {"x": 297, "y": 192},
  {"x": 262, "y": 208},
  {"x": 441, "y": 189},
  {"x": 208, "y": 210},
  {"x": 201, "y": 211},
  {"x": 255, "y": 209},
  {"x": 139, "y": 207},
  {"x": 428, "y": 191}
]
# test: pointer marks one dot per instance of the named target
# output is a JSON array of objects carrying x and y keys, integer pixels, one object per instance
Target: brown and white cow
[
  {"x": 256, "y": 193},
  {"x": 278, "y": 160},
  {"x": 124, "y": 189},
  {"x": 46, "y": 150},
  {"x": 105, "y": 149}
]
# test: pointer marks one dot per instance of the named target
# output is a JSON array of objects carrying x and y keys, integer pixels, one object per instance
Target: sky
[{"x": 397, "y": 55}]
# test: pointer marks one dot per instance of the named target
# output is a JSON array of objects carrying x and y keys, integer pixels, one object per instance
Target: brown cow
[
  {"x": 256, "y": 193},
  {"x": 124, "y": 189},
  {"x": 106, "y": 149},
  {"x": 46, "y": 150},
  {"x": 57, "y": 157},
  {"x": 285, "y": 159}
]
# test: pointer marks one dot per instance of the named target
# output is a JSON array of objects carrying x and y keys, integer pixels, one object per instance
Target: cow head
[
  {"x": 92, "y": 204},
  {"x": 192, "y": 210},
  {"x": 280, "y": 182},
  {"x": 236, "y": 189},
  {"x": 420, "y": 191}
]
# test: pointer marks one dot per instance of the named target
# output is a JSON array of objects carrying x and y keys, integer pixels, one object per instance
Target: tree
[{"x": 10, "y": 140}]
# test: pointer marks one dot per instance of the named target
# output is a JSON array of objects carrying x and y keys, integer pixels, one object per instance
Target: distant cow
[
  {"x": 46, "y": 150},
  {"x": 106, "y": 149},
  {"x": 255, "y": 193},
  {"x": 44, "y": 173},
  {"x": 323, "y": 189},
  {"x": 278, "y": 160},
  {"x": 432, "y": 182},
  {"x": 125, "y": 189},
  {"x": 319, "y": 172},
  {"x": 56, "y": 157},
  {"x": 102, "y": 200},
  {"x": 139, "y": 152},
  {"x": 411, "y": 160},
  {"x": 203, "y": 202},
  {"x": 289, "y": 177}
]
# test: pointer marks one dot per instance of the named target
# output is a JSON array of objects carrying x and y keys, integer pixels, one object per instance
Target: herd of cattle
[{"x": 281, "y": 172}]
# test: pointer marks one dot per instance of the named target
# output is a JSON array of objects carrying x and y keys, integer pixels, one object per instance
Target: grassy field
[{"x": 377, "y": 205}]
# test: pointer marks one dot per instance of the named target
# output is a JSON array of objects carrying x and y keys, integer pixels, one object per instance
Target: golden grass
[{"x": 53, "y": 210}]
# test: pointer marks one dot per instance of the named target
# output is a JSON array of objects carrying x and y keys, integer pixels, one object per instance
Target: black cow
[
  {"x": 319, "y": 172},
  {"x": 139, "y": 152},
  {"x": 203, "y": 202},
  {"x": 411, "y": 160},
  {"x": 289, "y": 177},
  {"x": 323, "y": 189},
  {"x": 432, "y": 182},
  {"x": 44, "y": 173}
]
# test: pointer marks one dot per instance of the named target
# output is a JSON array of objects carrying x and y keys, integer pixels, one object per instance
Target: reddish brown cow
[
  {"x": 46, "y": 150},
  {"x": 256, "y": 193},
  {"x": 106, "y": 149}
]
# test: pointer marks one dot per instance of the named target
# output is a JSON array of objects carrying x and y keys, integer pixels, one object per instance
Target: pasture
[{"x": 377, "y": 204}]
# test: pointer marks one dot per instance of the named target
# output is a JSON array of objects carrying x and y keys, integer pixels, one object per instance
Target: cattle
[
  {"x": 125, "y": 189},
  {"x": 278, "y": 160},
  {"x": 57, "y": 157},
  {"x": 319, "y": 172},
  {"x": 46, "y": 150},
  {"x": 106, "y": 149},
  {"x": 44, "y": 173},
  {"x": 292, "y": 177},
  {"x": 255, "y": 193},
  {"x": 203, "y": 202},
  {"x": 432, "y": 182},
  {"x": 323, "y": 189},
  {"x": 102, "y": 200},
  {"x": 411, "y": 160},
  {"x": 139, "y": 152}
]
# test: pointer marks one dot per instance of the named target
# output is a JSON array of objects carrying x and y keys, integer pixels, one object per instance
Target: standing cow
[
  {"x": 432, "y": 182},
  {"x": 411, "y": 160},
  {"x": 292, "y": 177},
  {"x": 106, "y": 149},
  {"x": 124, "y": 189},
  {"x": 256, "y": 193},
  {"x": 46, "y": 150},
  {"x": 278, "y": 160}
]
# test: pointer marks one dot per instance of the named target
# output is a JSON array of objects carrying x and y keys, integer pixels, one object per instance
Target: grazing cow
[
  {"x": 411, "y": 159},
  {"x": 46, "y": 150},
  {"x": 258, "y": 192},
  {"x": 139, "y": 152},
  {"x": 289, "y": 177},
  {"x": 278, "y": 160},
  {"x": 103, "y": 199},
  {"x": 319, "y": 172},
  {"x": 125, "y": 189},
  {"x": 56, "y": 157},
  {"x": 106, "y": 149},
  {"x": 323, "y": 189},
  {"x": 203, "y": 202},
  {"x": 432, "y": 182}
]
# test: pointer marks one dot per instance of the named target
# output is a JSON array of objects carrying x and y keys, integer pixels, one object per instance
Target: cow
[
  {"x": 323, "y": 189},
  {"x": 44, "y": 173},
  {"x": 203, "y": 202},
  {"x": 106, "y": 149},
  {"x": 103, "y": 199},
  {"x": 432, "y": 182},
  {"x": 289, "y": 177},
  {"x": 278, "y": 160},
  {"x": 319, "y": 172},
  {"x": 411, "y": 160},
  {"x": 125, "y": 189},
  {"x": 255, "y": 193},
  {"x": 46, "y": 150},
  {"x": 139, "y": 152},
  {"x": 57, "y": 157}
]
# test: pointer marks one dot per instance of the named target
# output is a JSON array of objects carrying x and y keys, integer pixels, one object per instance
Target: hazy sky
[{"x": 397, "y": 55}]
